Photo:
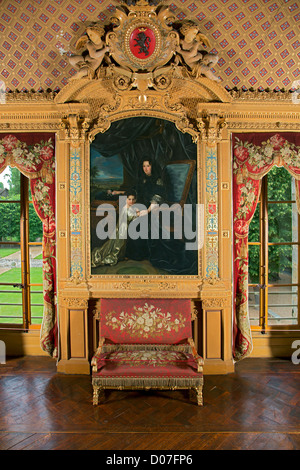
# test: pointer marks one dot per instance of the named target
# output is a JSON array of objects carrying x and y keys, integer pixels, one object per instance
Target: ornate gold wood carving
[
  {"x": 74, "y": 303},
  {"x": 130, "y": 33},
  {"x": 213, "y": 303},
  {"x": 137, "y": 286}
]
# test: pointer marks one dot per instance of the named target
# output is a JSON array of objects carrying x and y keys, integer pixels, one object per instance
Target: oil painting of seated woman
[{"x": 141, "y": 148}]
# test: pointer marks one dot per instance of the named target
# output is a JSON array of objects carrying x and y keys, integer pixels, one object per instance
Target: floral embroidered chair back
[{"x": 152, "y": 321}]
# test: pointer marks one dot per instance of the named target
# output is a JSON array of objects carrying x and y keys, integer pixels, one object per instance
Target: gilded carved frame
[
  {"x": 159, "y": 86},
  {"x": 139, "y": 285},
  {"x": 205, "y": 131}
]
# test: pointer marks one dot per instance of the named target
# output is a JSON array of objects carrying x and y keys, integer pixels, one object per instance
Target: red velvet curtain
[
  {"x": 253, "y": 156},
  {"x": 33, "y": 155}
]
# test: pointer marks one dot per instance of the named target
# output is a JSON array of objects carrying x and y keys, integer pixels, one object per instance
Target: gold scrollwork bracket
[
  {"x": 124, "y": 80},
  {"x": 184, "y": 125},
  {"x": 182, "y": 121},
  {"x": 103, "y": 121}
]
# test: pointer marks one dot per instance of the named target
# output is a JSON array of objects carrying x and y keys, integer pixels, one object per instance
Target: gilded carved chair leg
[
  {"x": 199, "y": 396},
  {"x": 97, "y": 393}
]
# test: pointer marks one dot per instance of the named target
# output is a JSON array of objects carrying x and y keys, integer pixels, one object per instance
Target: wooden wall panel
[
  {"x": 213, "y": 334},
  {"x": 77, "y": 338}
]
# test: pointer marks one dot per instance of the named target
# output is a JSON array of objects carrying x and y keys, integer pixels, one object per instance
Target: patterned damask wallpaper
[{"x": 257, "y": 40}]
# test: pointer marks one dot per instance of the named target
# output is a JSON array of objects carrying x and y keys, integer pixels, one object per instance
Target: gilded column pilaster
[
  {"x": 216, "y": 287},
  {"x": 209, "y": 124},
  {"x": 72, "y": 286}
]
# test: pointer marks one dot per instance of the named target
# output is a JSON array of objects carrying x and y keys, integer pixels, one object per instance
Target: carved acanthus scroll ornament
[{"x": 141, "y": 46}]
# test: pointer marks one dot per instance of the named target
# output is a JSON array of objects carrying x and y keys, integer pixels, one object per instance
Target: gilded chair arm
[
  {"x": 94, "y": 361},
  {"x": 198, "y": 358}
]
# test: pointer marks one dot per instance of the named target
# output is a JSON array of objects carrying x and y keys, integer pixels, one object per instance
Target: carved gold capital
[
  {"x": 210, "y": 126},
  {"x": 73, "y": 127}
]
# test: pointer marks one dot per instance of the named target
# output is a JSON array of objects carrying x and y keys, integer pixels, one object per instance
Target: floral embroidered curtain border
[
  {"x": 253, "y": 157},
  {"x": 33, "y": 155}
]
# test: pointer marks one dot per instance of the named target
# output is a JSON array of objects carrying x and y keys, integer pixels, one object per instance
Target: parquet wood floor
[{"x": 257, "y": 407}]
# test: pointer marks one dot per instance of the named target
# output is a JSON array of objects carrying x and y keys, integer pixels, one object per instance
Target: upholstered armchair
[{"x": 146, "y": 344}]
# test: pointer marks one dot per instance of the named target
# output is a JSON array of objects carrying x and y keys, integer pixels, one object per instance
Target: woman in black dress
[
  {"x": 167, "y": 254},
  {"x": 150, "y": 193}
]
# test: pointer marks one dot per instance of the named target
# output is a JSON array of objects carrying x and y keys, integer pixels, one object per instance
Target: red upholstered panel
[
  {"x": 156, "y": 321},
  {"x": 146, "y": 364}
]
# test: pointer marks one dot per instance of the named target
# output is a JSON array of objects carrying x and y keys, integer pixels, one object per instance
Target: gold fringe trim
[{"x": 147, "y": 382}]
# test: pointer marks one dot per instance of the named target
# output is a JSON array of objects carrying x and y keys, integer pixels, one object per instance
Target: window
[
  {"x": 21, "y": 270},
  {"x": 274, "y": 255}
]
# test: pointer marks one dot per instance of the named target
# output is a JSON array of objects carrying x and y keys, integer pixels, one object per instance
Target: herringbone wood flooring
[{"x": 257, "y": 407}]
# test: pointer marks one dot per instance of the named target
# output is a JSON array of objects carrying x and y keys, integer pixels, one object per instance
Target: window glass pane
[
  {"x": 36, "y": 256},
  {"x": 254, "y": 226},
  {"x": 282, "y": 305},
  {"x": 36, "y": 264},
  {"x": 29, "y": 192},
  {"x": 283, "y": 264},
  {"x": 283, "y": 222},
  {"x": 253, "y": 254},
  {"x": 35, "y": 226},
  {"x": 36, "y": 277},
  {"x": 11, "y": 310},
  {"x": 10, "y": 264},
  {"x": 280, "y": 185},
  {"x": 36, "y": 304},
  {"x": 8, "y": 252},
  {"x": 10, "y": 297},
  {"x": 13, "y": 183},
  {"x": 253, "y": 302},
  {"x": 10, "y": 222},
  {"x": 4, "y": 185}
]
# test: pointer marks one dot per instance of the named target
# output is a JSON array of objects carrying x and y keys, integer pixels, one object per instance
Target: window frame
[
  {"x": 24, "y": 245},
  {"x": 264, "y": 244}
]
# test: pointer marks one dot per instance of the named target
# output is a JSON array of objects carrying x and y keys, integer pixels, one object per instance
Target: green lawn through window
[
  {"x": 13, "y": 295},
  {"x": 8, "y": 251}
]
